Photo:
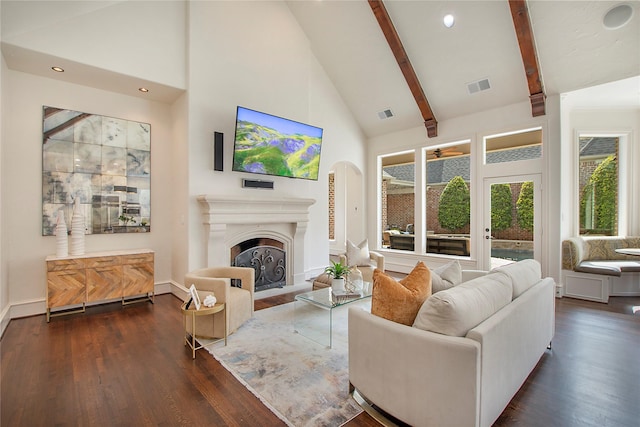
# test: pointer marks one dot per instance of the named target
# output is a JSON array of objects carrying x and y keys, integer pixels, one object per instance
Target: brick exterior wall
[{"x": 400, "y": 210}]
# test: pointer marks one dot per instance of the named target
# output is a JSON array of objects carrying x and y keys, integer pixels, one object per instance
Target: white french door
[{"x": 522, "y": 239}]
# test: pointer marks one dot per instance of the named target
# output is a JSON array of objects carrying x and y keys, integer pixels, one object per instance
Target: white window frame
[{"x": 624, "y": 177}]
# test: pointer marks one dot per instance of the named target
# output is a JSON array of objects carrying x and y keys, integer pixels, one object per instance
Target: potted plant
[
  {"x": 338, "y": 272},
  {"x": 127, "y": 219}
]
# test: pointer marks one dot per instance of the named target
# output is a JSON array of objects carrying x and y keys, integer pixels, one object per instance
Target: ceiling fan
[{"x": 445, "y": 152}]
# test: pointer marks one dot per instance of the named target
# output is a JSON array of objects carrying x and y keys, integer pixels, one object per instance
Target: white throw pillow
[
  {"x": 461, "y": 308},
  {"x": 446, "y": 276},
  {"x": 523, "y": 274},
  {"x": 358, "y": 255}
]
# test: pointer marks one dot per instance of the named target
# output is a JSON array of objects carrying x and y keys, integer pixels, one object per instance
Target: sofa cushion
[
  {"x": 609, "y": 268},
  {"x": 456, "y": 310},
  {"x": 523, "y": 274},
  {"x": 446, "y": 276},
  {"x": 358, "y": 255},
  {"x": 399, "y": 301}
]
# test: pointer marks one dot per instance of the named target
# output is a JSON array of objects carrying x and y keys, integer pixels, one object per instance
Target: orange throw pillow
[{"x": 400, "y": 301}]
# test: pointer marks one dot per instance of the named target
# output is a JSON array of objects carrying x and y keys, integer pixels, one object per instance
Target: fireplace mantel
[
  {"x": 230, "y": 219},
  {"x": 246, "y": 210}
]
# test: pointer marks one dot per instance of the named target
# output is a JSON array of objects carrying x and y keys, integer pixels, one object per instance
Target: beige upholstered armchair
[
  {"x": 239, "y": 301},
  {"x": 365, "y": 260}
]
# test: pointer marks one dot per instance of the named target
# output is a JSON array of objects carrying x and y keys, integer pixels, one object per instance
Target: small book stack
[{"x": 340, "y": 297}]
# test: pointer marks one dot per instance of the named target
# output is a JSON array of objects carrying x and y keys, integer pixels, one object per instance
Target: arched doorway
[{"x": 346, "y": 206}]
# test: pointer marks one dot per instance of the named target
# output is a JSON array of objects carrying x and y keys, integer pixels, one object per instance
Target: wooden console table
[{"x": 93, "y": 277}]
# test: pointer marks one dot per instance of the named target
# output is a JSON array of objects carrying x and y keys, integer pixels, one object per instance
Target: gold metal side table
[{"x": 190, "y": 338}]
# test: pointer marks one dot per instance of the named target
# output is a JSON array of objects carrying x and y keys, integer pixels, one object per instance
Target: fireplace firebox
[{"x": 268, "y": 259}]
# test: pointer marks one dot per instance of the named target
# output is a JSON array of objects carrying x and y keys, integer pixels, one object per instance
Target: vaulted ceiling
[{"x": 574, "y": 51}]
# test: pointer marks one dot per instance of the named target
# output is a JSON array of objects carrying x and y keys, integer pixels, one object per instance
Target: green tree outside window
[
  {"x": 524, "y": 206},
  {"x": 500, "y": 207},
  {"x": 454, "y": 210},
  {"x": 599, "y": 199}
]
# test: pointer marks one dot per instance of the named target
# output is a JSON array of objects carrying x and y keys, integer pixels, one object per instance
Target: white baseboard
[
  {"x": 4, "y": 319},
  {"x": 38, "y": 306}
]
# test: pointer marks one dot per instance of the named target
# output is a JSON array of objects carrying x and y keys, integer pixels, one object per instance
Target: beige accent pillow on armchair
[{"x": 365, "y": 260}]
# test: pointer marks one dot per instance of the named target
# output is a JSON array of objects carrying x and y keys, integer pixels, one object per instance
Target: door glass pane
[
  {"x": 398, "y": 201},
  {"x": 448, "y": 209},
  {"x": 512, "y": 222},
  {"x": 598, "y": 186}
]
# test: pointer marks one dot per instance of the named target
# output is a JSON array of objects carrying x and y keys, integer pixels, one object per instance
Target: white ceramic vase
[
  {"x": 62, "y": 240},
  {"x": 77, "y": 230}
]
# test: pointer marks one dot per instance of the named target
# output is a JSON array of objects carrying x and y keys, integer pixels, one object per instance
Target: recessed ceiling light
[
  {"x": 58, "y": 69},
  {"x": 143, "y": 89},
  {"x": 448, "y": 20},
  {"x": 617, "y": 17}
]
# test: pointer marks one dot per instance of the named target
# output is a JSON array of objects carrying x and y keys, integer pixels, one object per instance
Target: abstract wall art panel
[{"x": 104, "y": 162}]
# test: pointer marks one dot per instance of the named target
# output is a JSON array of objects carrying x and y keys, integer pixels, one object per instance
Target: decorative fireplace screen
[{"x": 269, "y": 265}]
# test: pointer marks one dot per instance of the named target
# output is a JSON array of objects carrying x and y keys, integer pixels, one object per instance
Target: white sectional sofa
[{"x": 486, "y": 336}]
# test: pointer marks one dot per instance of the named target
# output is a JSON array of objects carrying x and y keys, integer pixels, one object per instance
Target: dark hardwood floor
[{"x": 115, "y": 366}]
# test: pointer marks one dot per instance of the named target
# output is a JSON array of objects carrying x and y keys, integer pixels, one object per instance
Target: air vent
[
  {"x": 385, "y": 114},
  {"x": 478, "y": 86}
]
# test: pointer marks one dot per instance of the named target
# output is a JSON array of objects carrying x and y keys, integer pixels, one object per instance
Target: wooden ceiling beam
[
  {"x": 390, "y": 33},
  {"x": 522, "y": 25}
]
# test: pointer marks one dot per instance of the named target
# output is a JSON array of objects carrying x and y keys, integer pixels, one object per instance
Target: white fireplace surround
[{"x": 230, "y": 220}]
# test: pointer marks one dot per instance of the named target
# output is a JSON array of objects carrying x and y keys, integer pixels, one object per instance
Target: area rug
[{"x": 304, "y": 383}]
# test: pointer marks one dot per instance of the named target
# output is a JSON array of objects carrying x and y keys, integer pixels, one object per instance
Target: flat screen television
[{"x": 271, "y": 145}]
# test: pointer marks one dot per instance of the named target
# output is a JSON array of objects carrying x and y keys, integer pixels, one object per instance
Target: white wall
[
  {"x": 4, "y": 281},
  {"x": 255, "y": 55},
  {"x": 145, "y": 39},
  {"x": 24, "y": 96}
]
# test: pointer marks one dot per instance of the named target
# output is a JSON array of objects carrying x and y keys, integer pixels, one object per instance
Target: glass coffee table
[{"x": 313, "y": 312}]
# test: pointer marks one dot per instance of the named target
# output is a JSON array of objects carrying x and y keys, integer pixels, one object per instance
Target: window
[
  {"x": 398, "y": 200},
  {"x": 513, "y": 146},
  {"x": 448, "y": 201},
  {"x": 598, "y": 182}
]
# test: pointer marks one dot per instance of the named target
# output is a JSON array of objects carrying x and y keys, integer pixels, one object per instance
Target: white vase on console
[
  {"x": 62, "y": 240},
  {"x": 77, "y": 229}
]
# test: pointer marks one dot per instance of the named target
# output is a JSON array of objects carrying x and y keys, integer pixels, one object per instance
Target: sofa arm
[
  {"x": 435, "y": 378},
  {"x": 342, "y": 258}
]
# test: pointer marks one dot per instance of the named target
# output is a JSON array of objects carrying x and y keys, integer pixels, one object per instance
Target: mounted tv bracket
[{"x": 251, "y": 183}]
